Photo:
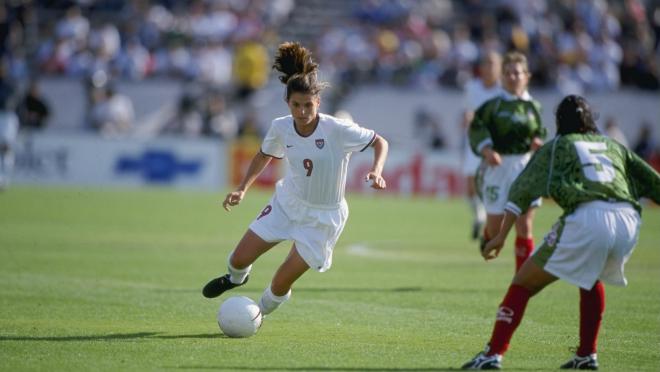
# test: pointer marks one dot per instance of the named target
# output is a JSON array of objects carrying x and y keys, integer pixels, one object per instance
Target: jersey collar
[
  {"x": 293, "y": 122},
  {"x": 510, "y": 97}
]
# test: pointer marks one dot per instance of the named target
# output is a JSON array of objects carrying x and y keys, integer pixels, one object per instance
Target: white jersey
[{"x": 316, "y": 164}]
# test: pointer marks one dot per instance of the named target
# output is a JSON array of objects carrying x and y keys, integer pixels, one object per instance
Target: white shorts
[
  {"x": 471, "y": 162},
  {"x": 315, "y": 231},
  {"x": 497, "y": 181},
  {"x": 593, "y": 243}
]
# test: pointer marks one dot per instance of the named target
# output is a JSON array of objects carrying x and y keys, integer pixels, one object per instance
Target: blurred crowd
[
  {"x": 572, "y": 45},
  {"x": 220, "y": 50}
]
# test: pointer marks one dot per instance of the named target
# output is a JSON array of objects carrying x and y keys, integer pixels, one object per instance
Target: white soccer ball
[{"x": 239, "y": 316}]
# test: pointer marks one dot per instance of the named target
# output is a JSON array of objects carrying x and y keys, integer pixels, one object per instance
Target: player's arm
[
  {"x": 531, "y": 184},
  {"x": 645, "y": 178},
  {"x": 494, "y": 246},
  {"x": 539, "y": 134},
  {"x": 258, "y": 164},
  {"x": 381, "y": 147},
  {"x": 479, "y": 135}
]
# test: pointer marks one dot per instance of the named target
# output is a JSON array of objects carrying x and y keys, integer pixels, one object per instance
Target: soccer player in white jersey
[
  {"x": 598, "y": 183},
  {"x": 308, "y": 206},
  {"x": 478, "y": 91},
  {"x": 8, "y": 134}
]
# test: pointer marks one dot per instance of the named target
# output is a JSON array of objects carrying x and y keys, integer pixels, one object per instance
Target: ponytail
[{"x": 299, "y": 71}]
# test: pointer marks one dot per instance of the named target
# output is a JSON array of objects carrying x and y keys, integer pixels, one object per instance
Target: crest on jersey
[{"x": 320, "y": 143}]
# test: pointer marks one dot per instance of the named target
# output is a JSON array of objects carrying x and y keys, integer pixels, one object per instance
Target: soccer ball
[{"x": 239, "y": 316}]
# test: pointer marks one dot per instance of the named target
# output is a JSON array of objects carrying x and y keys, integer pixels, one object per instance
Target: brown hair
[
  {"x": 299, "y": 70},
  {"x": 515, "y": 57}
]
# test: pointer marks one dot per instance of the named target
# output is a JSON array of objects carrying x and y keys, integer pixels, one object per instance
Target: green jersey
[
  {"x": 507, "y": 123},
  {"x": 579, "y": 168}
]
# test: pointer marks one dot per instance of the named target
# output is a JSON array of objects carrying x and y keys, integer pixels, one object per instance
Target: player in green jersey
[
  {"x": 598, "y": 183},
  {"x": 504, "y": 131}
]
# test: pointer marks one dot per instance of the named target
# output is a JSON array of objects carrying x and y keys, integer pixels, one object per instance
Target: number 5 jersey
[{"x": 579, "y": 168}]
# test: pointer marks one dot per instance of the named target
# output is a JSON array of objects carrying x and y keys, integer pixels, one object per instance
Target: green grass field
[{"x": 110, "y": 280}]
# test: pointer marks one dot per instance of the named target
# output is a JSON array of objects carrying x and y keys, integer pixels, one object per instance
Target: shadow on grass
[
  {"x": 110, "y": 337},
  {"x": 330, "y": 289},
  {"x": 351, "y": 290},
  {"x": 244, "y": 368},
  {"x": 347, "y": 369}
]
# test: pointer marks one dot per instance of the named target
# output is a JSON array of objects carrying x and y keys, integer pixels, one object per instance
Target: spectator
[
  {"x": 33, "y": 110},
  {"x": 428, "y": 129},
  {"x": 112, "y": 113},
  {"x": 250, "y": 68},
  {"x": 645, "y": 145},
  {"x": 249, "y": 127},
  {"x": 188, "y": 120},
  {"x": 613, "y": 131},
  {"x": 219, "y": 120}
]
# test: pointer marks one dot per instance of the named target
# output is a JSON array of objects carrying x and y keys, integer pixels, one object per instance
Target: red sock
[
  {"x": 524, "y": 248},
  {"x": 508, "y": 317},
  {"x": 592, "y": 306}
]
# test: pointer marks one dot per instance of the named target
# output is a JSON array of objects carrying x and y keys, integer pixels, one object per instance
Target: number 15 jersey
[
  {"x": 316, "y": 165},
  {"x": 579, "y": 168}
]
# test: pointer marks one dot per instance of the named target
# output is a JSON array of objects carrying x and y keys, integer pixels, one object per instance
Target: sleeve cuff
[
  {"x": 373, "y": 138},
  {"x": 272, "y": 156},
  {"x": 484, "y": 143},
  {"x": 513, "y": 208}
]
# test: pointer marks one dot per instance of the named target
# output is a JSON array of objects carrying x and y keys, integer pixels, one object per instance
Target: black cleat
[
  {"x": 483, "y": 361},
  {"x": 587, "y": 362},
  {"x": 476, "y": 230},
  {"x": 220, "y": 285}
]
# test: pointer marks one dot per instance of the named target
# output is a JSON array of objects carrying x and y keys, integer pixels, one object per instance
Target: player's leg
[
  {"x": 592, "y": 306},
  {"x": 279, "y": 289},
  {"x": 529, "y": 280},
  {"x": 4, "y": 164},
  {"x": 239, "y": 264},
  {"x": 476, "y": 206},
  {"x": 524, "y": 244}
]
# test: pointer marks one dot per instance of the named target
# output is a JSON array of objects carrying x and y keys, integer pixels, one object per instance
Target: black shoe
[
  {"x": 483, "y": 361},
  {"x": 476, "y": 230},
  {"x": 587, "y": 362},
  {"x": 220, "y": 285}
]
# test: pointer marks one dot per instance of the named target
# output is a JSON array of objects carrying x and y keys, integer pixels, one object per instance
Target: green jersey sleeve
[
  {"x": 644, "y": 180},
  {"x": 478, "y": 134},
  {"x": 580, "y": 168},
  {"x": 532, "y": 183}
]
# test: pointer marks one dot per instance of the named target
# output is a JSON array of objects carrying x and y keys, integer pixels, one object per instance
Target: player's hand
[
  {"x": 232, "y": 199},
  {"x": 493, "y": 248},
  {"x": 493, "y": 158},
  {"x": 378, "y": 182},
  {"x": 536, "y": 144}
]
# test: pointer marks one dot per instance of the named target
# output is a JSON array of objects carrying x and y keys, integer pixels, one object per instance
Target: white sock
[
  {"x": 269, "y": 302},
  {"x": 237, "y": 276}
]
